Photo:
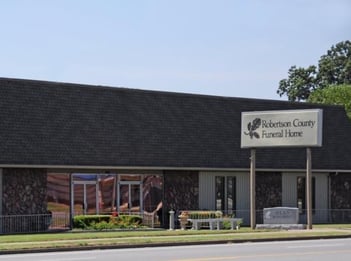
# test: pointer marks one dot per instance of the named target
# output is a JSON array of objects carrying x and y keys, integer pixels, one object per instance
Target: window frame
[{"x": 301, "y": 194}]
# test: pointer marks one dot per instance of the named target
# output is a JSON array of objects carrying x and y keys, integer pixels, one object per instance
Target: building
[{"x": 93, "y": 149}]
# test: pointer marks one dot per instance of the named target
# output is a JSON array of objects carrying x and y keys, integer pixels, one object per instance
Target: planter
[{"x": 183, "y": 221}]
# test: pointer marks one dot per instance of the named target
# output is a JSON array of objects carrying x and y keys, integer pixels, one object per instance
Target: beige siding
[
  {"x": 289, "y": 189},
  {"x": 289, "y": 197},
  {"x": 207, "y": 191},
  {"x": 243, "y": 196},
  {"x": 243, "y": 191}
]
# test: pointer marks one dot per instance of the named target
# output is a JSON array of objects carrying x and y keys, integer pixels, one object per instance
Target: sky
[{"x": 219, "y": 47}]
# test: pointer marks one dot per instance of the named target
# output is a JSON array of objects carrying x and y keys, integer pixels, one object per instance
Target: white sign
[{"x": 281, "y": 128}]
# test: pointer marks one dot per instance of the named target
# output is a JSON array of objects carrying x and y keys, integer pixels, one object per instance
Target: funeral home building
[{"x": 81, "y": 149}]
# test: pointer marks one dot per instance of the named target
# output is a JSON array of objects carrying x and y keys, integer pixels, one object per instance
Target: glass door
[
  {"x": 84, "y": 195},
  {"x": 85, "y": 199},
  {"x": 129, "y": 194},
  {"x": 225, "y": 189}
]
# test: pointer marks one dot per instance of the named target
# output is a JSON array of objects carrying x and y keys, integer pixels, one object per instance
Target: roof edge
[
  {"x": 76, "y": 167},
  {"x": 96, "y": 86}
]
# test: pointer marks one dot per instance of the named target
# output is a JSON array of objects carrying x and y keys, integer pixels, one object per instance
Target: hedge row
[{"x": 100, "y": 222}]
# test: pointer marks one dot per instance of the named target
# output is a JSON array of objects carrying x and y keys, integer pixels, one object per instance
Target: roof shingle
[{"x": 49, "y": 123}]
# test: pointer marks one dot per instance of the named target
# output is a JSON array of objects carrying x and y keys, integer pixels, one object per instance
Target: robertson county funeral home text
[{"x": 289, "y": 133}]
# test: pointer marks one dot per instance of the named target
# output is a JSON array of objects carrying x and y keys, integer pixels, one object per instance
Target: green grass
[
  {"x": 120, "y": 238},
  {"x": 108, "y": 234},
  {"x": 333, "y": 226}
]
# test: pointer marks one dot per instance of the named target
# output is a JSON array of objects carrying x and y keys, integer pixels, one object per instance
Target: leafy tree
[
  {"x": 335, "y": 95},
  {"x": 299, "y": 84},
  {"x": 334, "y": 68}
]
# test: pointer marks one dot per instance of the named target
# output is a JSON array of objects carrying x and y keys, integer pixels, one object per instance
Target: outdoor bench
[{"x": 215, "y": 222}]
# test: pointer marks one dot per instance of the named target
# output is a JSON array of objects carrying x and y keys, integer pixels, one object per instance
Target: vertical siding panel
[
  {"x": 289, "y": 189},
  {"x": 243, "y": 196},
  {"x": 290, "y": 194},
  {"x": 206, "y": 190}
]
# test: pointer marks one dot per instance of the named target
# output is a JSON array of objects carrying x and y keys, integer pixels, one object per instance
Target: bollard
[{"x": 171, "y": 220}]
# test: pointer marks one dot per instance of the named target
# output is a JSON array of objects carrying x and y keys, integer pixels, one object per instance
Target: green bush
[
  {"x": 127, "y": 221},
  {"x": 226, "y": 224},
  {"x": 103, "y": 222},
  {"x": 133, "y": 219},
  {"x": 85, "y": 221},
  {"x": 103, "y": 225}
]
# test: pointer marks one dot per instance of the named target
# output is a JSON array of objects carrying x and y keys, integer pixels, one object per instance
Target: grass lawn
[{"x": 124, "y": 238}]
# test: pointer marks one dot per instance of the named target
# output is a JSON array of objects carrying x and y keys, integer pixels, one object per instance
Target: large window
[
  {"x": 225, "y": 194},
  {"x": 301, "y": 193},
  {"x": 97, "y": 193}
]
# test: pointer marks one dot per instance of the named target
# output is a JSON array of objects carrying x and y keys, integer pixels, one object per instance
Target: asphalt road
[{"x": 321, "y": 250}]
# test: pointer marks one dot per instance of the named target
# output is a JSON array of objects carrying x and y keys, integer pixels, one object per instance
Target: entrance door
[
  {"x": 129, "y": 195},
  {"x": 225, "y": 187},
  {"x": 84, "y": 195}
]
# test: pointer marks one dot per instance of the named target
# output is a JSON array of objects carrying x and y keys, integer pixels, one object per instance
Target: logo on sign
[{"x": 252, "y": 127}]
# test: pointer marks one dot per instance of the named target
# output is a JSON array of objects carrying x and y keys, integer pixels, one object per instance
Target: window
[
  {"x": 220, "y": 193},
  {"x": 301, "y": 194},
  {"x": 226, "y": 194}
]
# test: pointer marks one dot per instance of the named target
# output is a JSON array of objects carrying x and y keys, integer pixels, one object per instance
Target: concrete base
[{"x": 281, "y": 226}]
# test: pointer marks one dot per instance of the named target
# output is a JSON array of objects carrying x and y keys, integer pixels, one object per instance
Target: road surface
[{"x": 321, "y": 250}]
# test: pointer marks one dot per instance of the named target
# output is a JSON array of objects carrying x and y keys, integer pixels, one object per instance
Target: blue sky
[{"x": 219, "y": 47}]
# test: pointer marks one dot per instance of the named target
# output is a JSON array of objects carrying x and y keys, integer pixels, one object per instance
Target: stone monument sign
[{"x": 281, "y": 215}]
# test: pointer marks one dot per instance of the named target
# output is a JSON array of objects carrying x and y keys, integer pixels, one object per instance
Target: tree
[
  {"x": 333, "y": 68},
  {"x": 335, "y": 95},
  {"x": 299, "y": 84}
]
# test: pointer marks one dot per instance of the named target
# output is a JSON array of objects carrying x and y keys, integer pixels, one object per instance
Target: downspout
[{"x": 71, "y": 205}]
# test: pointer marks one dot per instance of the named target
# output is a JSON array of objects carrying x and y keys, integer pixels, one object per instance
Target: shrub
[
  {"x": 103, "y": 225},
  {"x": 85, "y": 221},
  {"x": 129, "y": 220},
  {"x": 103, "y": 222},
  {"x": 226, "y": 225}
]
